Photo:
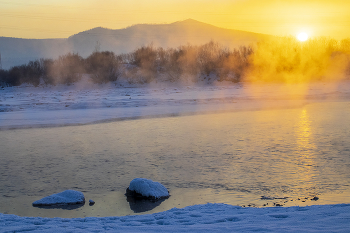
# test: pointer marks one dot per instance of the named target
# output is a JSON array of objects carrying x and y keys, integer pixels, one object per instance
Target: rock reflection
[
  {"x": 142, "y": 205},
  {"x": 63, "y": 207}
]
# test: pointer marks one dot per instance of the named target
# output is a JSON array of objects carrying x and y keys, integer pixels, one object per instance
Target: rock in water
[
  {"x": 146, "y": 189},
  {"x": 91, "y": 202},
  {"x": 68, "y": 197}
]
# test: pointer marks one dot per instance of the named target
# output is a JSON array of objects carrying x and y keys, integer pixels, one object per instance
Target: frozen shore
[
  {"x": 27, "y": 107},
  {"x": 199, "y": 218}
]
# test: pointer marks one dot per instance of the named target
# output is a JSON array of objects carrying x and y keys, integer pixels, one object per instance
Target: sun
[{"x": 302, "y": 36}]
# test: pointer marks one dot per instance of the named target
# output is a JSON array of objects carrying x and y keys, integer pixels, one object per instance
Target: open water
[{"x": 289, "y": 156}]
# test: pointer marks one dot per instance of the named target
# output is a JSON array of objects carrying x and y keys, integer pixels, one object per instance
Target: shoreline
[
  {"x": 198, "y": 218},
  {"x": 114, "y": 203},
  {"x": 45, "y": 107}
]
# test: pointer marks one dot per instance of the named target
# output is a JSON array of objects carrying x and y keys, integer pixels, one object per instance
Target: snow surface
[
  {"x": 198, "y": 218},
  {"x": 23, "y": 107},
  {"x": 83, "y": 103},
  {"x": 148, "y": 188},
  {"x": 66, "y": 197}
]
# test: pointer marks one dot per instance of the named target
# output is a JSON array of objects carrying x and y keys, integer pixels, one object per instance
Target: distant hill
[{"x": 16, "y": 51}]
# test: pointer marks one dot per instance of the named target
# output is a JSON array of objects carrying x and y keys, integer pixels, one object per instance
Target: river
[{"x": 289, "y": 156}]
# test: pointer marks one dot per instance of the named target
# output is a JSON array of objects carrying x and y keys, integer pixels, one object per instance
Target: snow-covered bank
[
  {"x": 199, "y": 218},
  {"x": 23, "y": 107}
]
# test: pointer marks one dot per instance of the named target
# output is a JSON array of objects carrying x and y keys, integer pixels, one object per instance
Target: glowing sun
[{"x": 302, "y": 36}]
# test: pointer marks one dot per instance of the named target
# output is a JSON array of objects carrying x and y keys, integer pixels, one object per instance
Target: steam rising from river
[{"x": 288, "y": 60}]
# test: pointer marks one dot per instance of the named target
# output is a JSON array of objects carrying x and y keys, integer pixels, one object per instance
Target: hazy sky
[{"x": 62, "y": 18}]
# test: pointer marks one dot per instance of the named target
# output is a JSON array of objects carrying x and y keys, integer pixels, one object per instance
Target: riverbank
[
  {"x": 199, "y": 218},
  {"x": 81, "y": 103}
]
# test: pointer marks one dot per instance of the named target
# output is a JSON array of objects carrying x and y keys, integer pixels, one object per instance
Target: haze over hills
[{"x": 16, "y": 51}]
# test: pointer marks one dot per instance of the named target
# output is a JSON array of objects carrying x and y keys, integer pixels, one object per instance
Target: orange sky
[{"x": 62, "y": 18}]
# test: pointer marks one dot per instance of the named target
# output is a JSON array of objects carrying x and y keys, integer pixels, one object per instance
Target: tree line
[
  {"x": 143, "y": 65},
  {"x": 282, "y": 59}
]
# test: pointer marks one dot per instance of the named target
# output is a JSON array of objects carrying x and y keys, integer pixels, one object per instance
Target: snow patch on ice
[
  {"x": 148, "y": 188},
  {"x": 67, "y": 197}
]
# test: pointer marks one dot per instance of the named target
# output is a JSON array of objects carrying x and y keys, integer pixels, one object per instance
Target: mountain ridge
[
  {"x": 181, "y": 24},
  {"x": 17, "y": 51}
]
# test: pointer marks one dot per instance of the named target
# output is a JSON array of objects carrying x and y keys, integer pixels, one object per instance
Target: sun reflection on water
[
  {"x": 306, "y": 147},
  {"x": 304, "y": 134}
]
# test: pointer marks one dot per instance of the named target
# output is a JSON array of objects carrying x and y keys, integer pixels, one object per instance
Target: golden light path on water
[{"x": 306, "y": 147}]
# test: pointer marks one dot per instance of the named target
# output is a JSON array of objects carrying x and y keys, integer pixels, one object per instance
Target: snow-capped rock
[
  {"x": 147, "y": 189},
  {"x": 68, "y": 197}
]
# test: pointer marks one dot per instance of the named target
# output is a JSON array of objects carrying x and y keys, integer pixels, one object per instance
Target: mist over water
[
  {"x": 279, "y": 59},
  {"x": 233, "y": 158},
  {"x": 287, "y": 60}
]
